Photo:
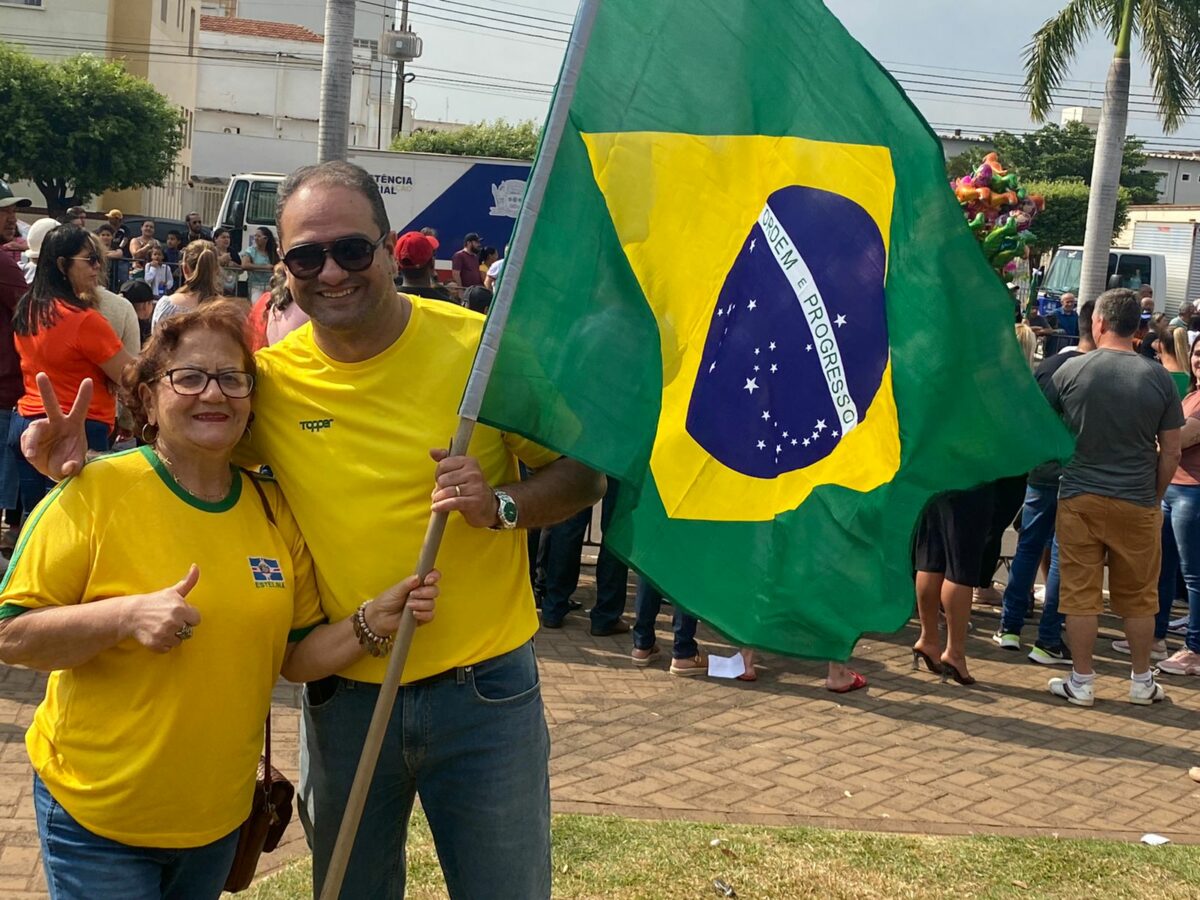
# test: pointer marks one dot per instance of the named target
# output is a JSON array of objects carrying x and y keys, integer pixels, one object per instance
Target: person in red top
[
  {"x": 59, "y": 332},
  {"x": 464, "y": 265}
]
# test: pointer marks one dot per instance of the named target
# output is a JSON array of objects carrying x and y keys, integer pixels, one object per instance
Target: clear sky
[{"x": 499, "y": 59}]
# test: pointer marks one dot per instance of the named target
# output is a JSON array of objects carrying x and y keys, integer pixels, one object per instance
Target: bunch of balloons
[{"x": 998, "y": 212}]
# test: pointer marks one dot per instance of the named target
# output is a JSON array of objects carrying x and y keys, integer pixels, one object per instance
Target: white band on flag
[{"x": 796, "y": 270}]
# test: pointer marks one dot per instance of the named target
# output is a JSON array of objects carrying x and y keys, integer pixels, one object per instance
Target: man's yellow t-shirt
[
  {"x": 150, "y": 749},
  {"x": 349, "y": 444}
]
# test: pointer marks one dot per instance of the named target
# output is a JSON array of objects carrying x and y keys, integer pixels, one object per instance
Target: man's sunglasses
[{"x": 350, "y": 253}]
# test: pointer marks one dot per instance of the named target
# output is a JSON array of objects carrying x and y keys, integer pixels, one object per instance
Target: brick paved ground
[{"x": 909, "y": 755}]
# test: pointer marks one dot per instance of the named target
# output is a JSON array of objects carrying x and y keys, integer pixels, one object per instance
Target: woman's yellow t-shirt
[{"x": 161, "y": 750}]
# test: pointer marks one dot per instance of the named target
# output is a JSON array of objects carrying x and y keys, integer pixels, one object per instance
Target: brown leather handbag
[{"x": 270, "y": 812}]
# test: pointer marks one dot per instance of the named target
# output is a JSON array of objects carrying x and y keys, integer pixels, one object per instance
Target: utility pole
[
  {"x": 398, "y": 91},
  {"x": 337, "y": 70}
]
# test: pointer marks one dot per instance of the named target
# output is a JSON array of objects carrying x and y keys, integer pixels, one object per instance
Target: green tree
[
  {"x": 1053, "y": 152},
  {"x": 966, "y": 162},
  {"x": 1064, "y": 220},
  {"x": 82, "y": 126},
  {"x": 502, "y": 139},
  {"x": 1169, "y": 32}
]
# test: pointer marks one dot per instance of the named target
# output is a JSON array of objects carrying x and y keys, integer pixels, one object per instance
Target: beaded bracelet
[{"x": 375, "y": 644}]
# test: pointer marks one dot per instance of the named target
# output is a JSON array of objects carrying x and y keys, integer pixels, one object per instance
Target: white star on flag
[
  {"x": 713, "y": 366},
  {"x": 761, "y": 445},
  {"x": 820, "y": 426},
  {"x": 839, "y": 321},
  {"x": 766, "y": 415},
  {"x": 771, "y": 345},
  {"x": 751, "y": 385},
  {"x": 774, "y": 368},
  {"x": 807, "y": 442},
  {"x": 752, "y": 304}
]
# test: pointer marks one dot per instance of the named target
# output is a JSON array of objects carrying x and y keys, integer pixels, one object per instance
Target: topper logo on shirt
[
  {"x": 316, "y": 424},
  {"x": 267, "y": 572}
]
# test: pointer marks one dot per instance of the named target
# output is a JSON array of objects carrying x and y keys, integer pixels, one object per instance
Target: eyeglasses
[
  {"x": 190, "y": 382},
  {"x": 354, "y": 254},
  {"x": 92, "y": 260}
]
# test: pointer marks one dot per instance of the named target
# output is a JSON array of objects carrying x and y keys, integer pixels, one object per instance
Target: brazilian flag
[{"x": 751, "y": 297}]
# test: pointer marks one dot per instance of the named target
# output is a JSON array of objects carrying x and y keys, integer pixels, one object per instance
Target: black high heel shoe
[
  {"x": 949, "y": 670},
  {"x": 933, "y": 665}
]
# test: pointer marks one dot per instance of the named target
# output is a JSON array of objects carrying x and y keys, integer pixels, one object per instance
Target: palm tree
[
  {"x": 1169, "y": 31},
  {"x": 333, "y": 129}
]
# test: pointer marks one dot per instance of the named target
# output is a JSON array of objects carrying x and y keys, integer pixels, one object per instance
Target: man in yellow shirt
[{"x": 349, "y": 415}]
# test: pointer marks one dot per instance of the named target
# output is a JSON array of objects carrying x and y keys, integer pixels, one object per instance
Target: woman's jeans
[
  {"x": 1180, "y": 550},
  {"x": 32, "y": 485},
  {"x": 646, "y": 606},
  {"x": 81, "y": 865}
]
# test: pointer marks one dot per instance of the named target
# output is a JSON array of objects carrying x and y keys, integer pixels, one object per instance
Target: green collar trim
[{"x": 229, "y": 502}]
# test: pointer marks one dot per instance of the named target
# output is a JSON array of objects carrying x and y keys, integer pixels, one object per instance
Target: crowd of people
[
  {"x": 263, "y": 568},
  {"x": 227, "y": 408}
]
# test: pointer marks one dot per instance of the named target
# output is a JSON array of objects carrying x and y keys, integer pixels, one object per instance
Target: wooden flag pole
[{"x": 469, "y": 412}]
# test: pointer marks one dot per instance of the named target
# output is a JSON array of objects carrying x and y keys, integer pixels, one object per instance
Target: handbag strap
[
  {"x": 267, "y": 754},
  {"x": 270, "y": 518}
]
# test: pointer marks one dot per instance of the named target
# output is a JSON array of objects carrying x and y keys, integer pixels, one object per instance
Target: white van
[{"x": 1132, "y": 268}]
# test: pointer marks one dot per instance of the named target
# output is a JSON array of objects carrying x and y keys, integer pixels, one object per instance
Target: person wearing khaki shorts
[
  {"x": 1125, "y": 414},
  {"x": 1092, "y": 529}
]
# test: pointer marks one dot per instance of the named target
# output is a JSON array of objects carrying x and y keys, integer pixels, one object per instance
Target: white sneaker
[
  {"x": 1078, "y": 694},
  {"x": 1145, "y": 694},
  {"x": 1158, "y": 650}
]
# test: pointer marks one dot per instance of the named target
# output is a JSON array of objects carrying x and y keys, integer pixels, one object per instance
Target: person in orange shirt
[{"x": 58, "y": 330}]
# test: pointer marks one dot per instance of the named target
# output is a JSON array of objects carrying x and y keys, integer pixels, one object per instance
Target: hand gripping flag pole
[{"x": 468, "y": 414}]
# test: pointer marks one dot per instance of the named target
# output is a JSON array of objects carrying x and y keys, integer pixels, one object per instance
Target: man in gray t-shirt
[{"x": 1126, "y": 415}]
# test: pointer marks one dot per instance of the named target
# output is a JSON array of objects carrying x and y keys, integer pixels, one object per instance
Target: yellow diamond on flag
[{"x": 764, "y": 261}]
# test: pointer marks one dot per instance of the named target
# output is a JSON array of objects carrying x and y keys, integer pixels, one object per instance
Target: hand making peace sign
[{"x": 57, "y": 446}]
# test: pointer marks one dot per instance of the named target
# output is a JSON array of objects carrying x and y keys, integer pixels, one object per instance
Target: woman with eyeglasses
[
  {"x": 201, "y": 282},
  {"x": 59, "y": 330},
  {"x": 146, "y": 745},
  {"x": 259, "y": 261}
]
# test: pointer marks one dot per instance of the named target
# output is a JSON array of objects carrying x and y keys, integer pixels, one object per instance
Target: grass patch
[{"x": 608, "y": 857}]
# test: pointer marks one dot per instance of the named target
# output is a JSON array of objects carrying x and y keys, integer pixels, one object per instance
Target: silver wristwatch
[{"x": 506, "y": 512}]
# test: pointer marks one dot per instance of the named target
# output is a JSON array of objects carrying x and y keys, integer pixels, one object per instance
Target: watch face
[{"x": 508, "y": 509}]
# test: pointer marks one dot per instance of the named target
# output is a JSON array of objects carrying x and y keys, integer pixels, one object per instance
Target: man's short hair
[
  {"x": 1145, "y": 291},
  {"x": 1121, "y": 309},
  {"x": 340, "y": 174},
  {"x": 1085, "y": 317},
  {"x": 178, "y": 234},
  {"x": 104, "y": 226}
]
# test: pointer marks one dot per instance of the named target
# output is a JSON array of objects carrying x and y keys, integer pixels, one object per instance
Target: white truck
[
  {"x": 454, "y": 195},
  {"x": 1131, "y": 268}
]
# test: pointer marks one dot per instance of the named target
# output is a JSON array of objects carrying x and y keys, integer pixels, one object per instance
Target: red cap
[{"x": 414, "y": 250}]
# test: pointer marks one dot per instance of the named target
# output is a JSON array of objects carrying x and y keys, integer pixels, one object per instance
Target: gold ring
[{"x": 458, "y": 490}]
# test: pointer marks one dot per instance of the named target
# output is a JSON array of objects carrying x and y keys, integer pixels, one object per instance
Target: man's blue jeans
[
  {"x": 1180, "y": 550},
  {"x": 646, "y": 605},
  {"x": 475, "y": 748},
  {"x": 1037, "y": 528},
  {"x": 564, "y": 543},
  {"x": 1050, "y": 627},
  {"x": 81, "y": 865}
]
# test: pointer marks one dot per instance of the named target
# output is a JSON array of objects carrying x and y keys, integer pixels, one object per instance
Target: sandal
[
  {"x": 856, "y": 683},
  {"x": 642, "y": 661},
  {"x": 698, "y": 666}
]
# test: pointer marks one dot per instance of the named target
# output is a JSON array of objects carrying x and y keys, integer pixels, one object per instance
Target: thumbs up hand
[{"x": 164, "y": 619}]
